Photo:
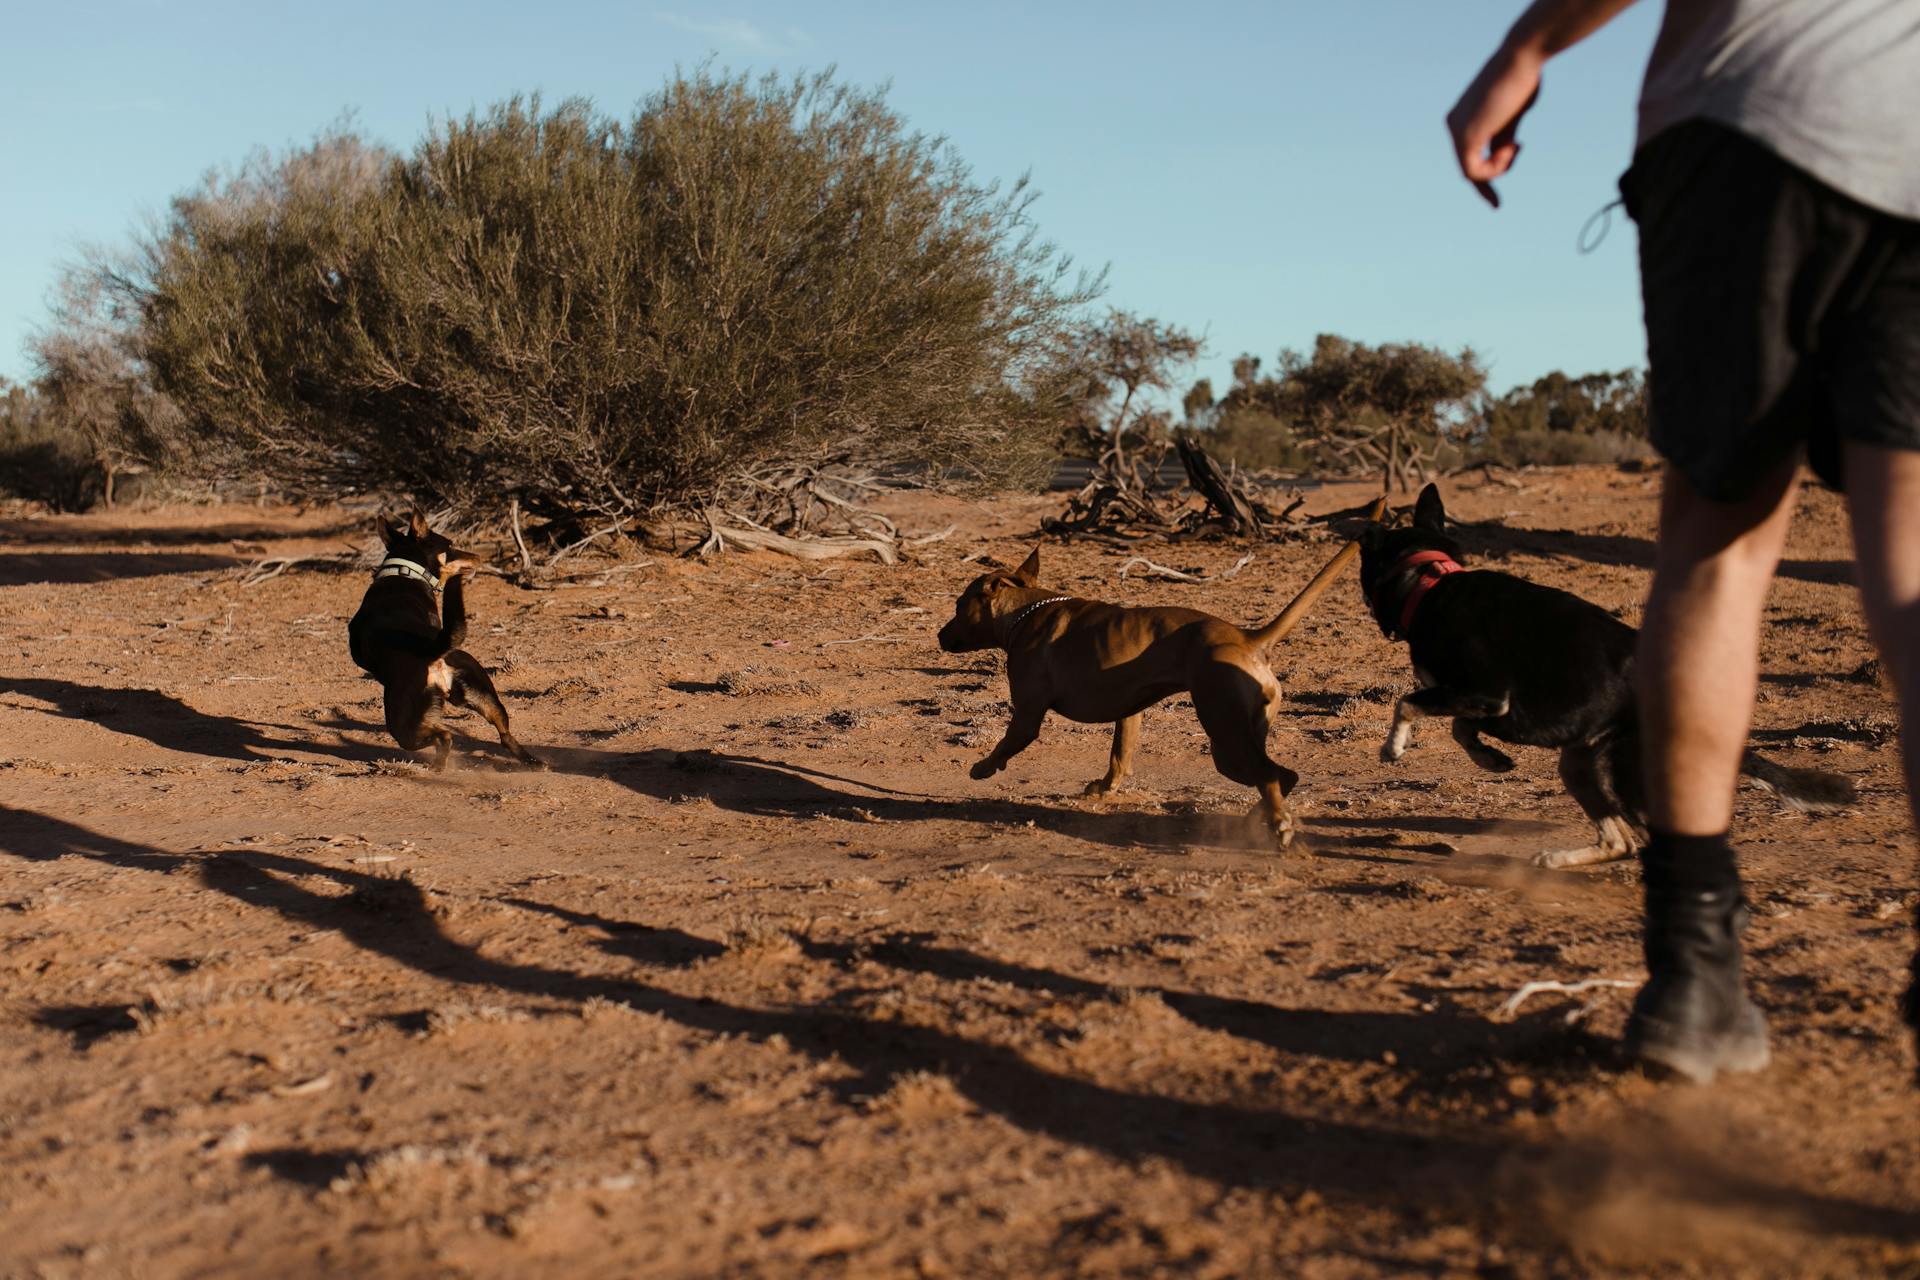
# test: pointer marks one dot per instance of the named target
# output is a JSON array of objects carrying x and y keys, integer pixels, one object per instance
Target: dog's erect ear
[
  {"x": 1028, "y": 574},
  {"x": 1429, "y": 512},
  {"x": 1372, "y": 534},
  {"x": 390, "y": 532},
  {"x": 417, "y": 523}
]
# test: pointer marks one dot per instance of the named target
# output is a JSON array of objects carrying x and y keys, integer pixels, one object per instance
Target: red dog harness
[{"x": 1431, "y": 566}]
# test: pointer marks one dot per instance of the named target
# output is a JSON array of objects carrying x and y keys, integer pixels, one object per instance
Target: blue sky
[{"x": 1258, "y": 172}]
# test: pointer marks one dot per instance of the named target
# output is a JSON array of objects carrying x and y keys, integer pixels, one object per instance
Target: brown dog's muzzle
[{"x": 958, "y": 637}]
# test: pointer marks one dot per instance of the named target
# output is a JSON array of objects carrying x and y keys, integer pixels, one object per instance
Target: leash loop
[{"x": 1586, "y": 243}]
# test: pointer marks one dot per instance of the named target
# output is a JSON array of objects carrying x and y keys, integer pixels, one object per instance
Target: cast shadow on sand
[
  {"x": 170, "y": 722},
  {"x": 783, "y": 789},
  {"x": 1474, "y": 1174},
  {"x": 67, "y": 567},
  {"x": 1497, "y": 542}
]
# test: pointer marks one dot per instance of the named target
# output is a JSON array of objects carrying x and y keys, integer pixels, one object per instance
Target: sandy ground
[{"x": 758, "y": 982}]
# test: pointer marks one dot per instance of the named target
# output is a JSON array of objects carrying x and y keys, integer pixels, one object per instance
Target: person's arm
[{"x": 1483, "y": 123}]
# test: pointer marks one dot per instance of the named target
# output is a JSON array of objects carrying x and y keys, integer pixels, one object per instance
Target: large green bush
[{"x": 606, "y": 317}]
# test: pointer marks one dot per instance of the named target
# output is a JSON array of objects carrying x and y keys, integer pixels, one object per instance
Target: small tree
[
  {"x": 1357, "y": 407},
  {"x": 1117, "y": 363},
  {"x": 94, "y": 391},
  {"x": 1614, "y": 403}
]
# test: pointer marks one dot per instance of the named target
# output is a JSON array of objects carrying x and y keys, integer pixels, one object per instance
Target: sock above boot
[{"x": 1674, "y": 863}]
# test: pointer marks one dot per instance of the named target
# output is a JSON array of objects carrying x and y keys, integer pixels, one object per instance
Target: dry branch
[
  {"x": 1520, "y": 997},
  {"x": 1152, "y": 570},
  {"x": 734, "y": 538}
]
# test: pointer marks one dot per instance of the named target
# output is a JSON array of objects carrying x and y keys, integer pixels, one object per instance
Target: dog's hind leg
[
  {"x": 471, "y": 687},
  {"x": 415, "y": 723},
  {"x": 1233, "y": 710},
  {"x": 1588, "y": 772},
  {"x": 1021, "y": 731},
  {"x": 1126, "y": 736},
  {"x": 1467, "y": 733}
]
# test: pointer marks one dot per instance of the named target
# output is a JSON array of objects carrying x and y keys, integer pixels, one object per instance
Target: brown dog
[
  {"x": 401, "y": 638},
  {"x": 1096, "y": 663}
]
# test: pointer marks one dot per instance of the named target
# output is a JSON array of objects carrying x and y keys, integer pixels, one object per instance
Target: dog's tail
[
  {"x": 1296, "y": 609},
  {"x": 453, "y": 615},
  {"x": 1805, "y": 790}
]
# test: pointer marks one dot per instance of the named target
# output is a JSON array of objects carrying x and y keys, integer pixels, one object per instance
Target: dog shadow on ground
[
  {"x": 170, "y": 722},
  {"x": 67, "y": 567},
  {"x": 85, "y": 532},
  {"x": 1249, "y": 1142},
  {"x": 784, "y": 789}
]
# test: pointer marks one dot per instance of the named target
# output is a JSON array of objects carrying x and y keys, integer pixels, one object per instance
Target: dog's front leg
[
  {"x": 1021, "y": 732},
  {"x": 1436, "y": 700},
  {"x": 1400, "y": 733},
  {"x": 1467, "y": 733},
  {"x": 1126, "y": 736}
]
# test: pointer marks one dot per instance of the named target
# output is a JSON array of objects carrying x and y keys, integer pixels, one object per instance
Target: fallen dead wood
[
  {"x": 736, "y": 538},
  {"x": 1520, "y": 997},
  {"x": 1118, "y": 507},
  {"x": 1151, "y": 570},
  {"x": 266, "y": 570},
  {"x": 1234, "y": 505}
]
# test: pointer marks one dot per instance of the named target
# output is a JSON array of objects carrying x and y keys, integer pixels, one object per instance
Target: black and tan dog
[
  {"x": 1102, "y": 663},
  {"x": 1532, "y": 665},
  {"x": 407, "y": 642}
]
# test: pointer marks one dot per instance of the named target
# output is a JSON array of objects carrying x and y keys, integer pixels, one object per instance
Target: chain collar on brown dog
[
  {"x": 395, "y": 567},
  {"x": 1021, "y": 616}
]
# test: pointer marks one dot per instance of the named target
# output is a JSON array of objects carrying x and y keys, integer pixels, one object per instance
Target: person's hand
[{"x": 1487, "y": 117}]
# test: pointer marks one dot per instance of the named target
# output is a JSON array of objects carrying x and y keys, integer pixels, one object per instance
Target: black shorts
[{"x": 1780, "y": 313}]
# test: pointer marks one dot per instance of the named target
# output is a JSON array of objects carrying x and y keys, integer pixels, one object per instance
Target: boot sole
[{"x": 1698, "y": 1059}]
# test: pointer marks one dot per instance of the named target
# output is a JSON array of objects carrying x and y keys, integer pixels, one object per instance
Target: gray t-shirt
[{"x": 1832, "y": 86}]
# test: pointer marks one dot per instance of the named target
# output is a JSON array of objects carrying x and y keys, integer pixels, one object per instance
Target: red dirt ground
[{"x": 757, "y": 982}]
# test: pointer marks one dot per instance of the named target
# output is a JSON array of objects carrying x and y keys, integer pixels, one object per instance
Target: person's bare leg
[
  {"x": 1698, "y": 663},
  {"x": 1883, "y": 497},
  {"x": 1695, "y": 675}
]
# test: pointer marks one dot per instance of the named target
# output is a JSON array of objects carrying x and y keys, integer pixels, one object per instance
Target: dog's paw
[
  {"x": 1391, "y": 751},
  {"x": 1562, "y": 859},
  {"x": 1493, "y": 761},
  {"x": 1098, "y": 789},
  {"x": 983, "y": 770}
]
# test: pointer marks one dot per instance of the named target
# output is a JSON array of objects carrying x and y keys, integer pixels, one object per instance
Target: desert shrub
[
  {"x": 1257, "y": 440},
  {"x": 93, "y": 414},
  {"x": 1112, "y": 372},
  {"x": 1613, "y": 403},
  {"x": 1559, "y": 419},
  {"x": 41, "y": 458},
  {"x": 1558, "y": 448},
  {"x": 1358, "y": 408},
  {"x": 605, "y": 316}
]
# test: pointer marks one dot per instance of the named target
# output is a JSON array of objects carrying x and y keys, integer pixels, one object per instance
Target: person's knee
[{"x": 1720, "y": 550}]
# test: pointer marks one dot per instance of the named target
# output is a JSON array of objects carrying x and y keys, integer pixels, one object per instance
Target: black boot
[{"x": 1693, "y": 1017}]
